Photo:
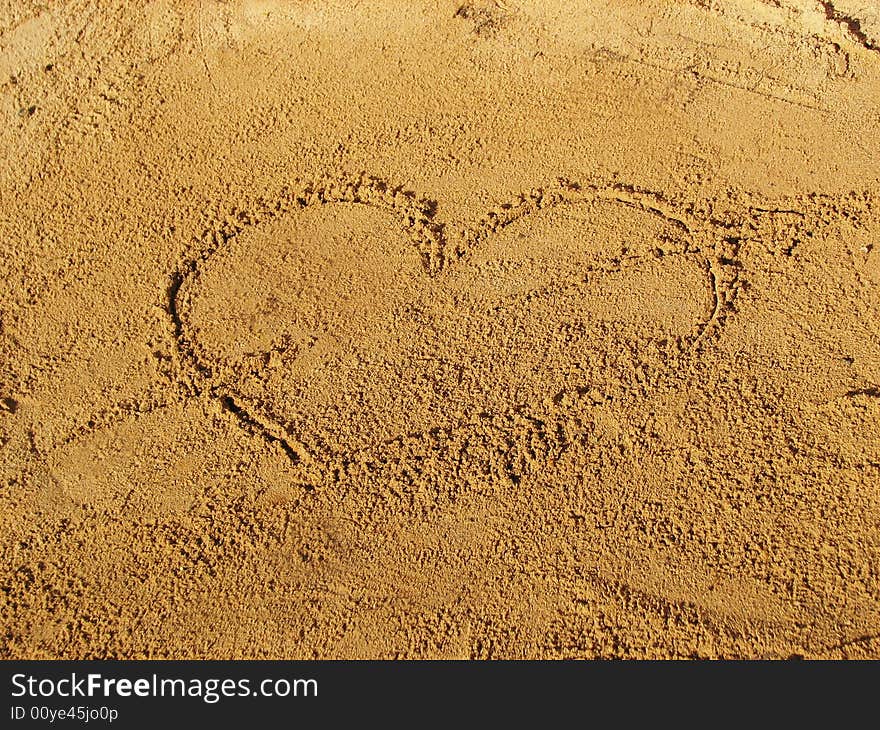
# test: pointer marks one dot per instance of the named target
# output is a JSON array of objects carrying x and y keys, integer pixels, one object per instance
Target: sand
[{"x": 428, "y": 329}]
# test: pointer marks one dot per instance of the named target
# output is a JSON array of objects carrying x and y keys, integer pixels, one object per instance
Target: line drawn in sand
[
  {"x": 270, "y": 311},
  {"x": 322, "y": 325}
]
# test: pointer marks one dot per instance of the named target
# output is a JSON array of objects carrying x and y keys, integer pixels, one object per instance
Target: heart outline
[{"x": 416, "y": 218}]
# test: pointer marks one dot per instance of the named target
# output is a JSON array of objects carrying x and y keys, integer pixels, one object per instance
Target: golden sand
[{"x": 534, "y": 328}]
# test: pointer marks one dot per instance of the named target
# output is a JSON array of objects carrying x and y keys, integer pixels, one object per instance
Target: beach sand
[{"x": 428, "y": 329}]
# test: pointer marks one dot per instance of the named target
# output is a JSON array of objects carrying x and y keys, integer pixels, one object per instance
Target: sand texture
[{"x": 428, "y": 329}]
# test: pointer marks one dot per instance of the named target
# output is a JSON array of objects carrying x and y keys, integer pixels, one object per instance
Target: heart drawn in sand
[{"x": 348, "y": 315}]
